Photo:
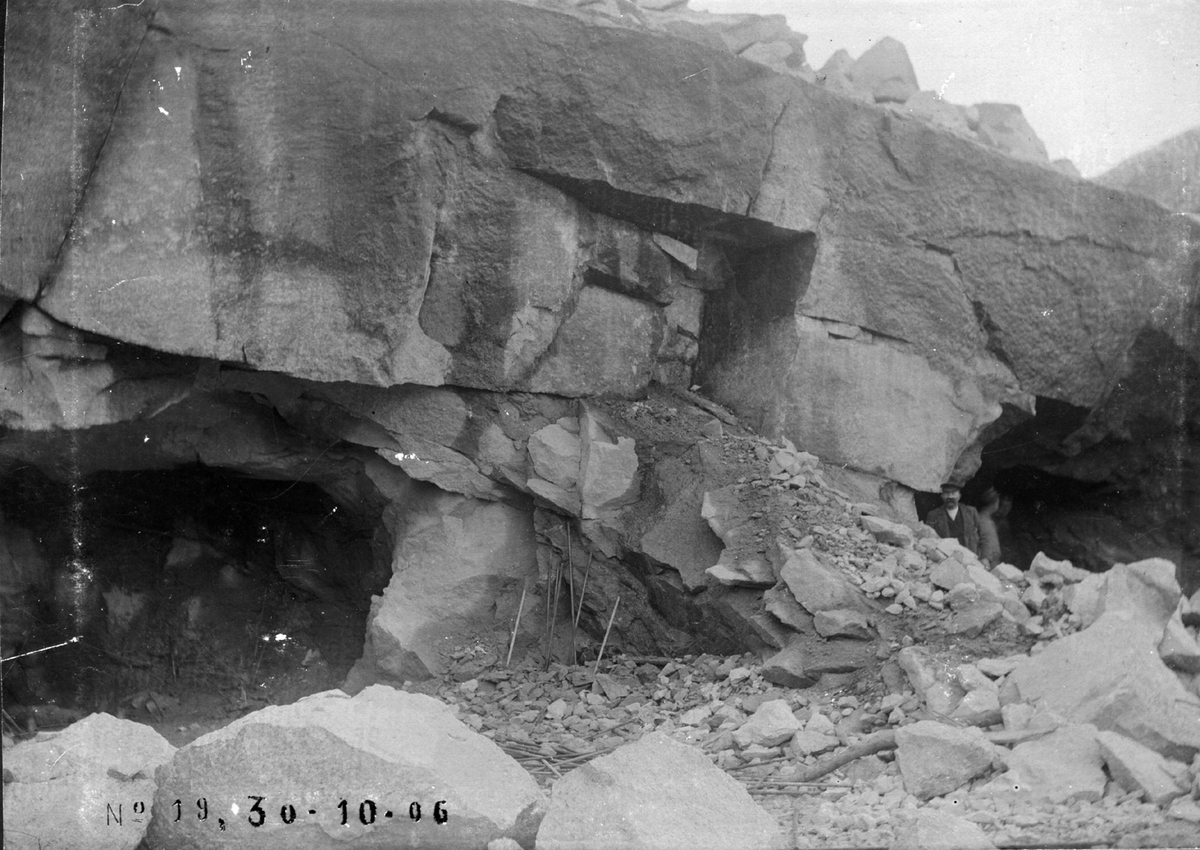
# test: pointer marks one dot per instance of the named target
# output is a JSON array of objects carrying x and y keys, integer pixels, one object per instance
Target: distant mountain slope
[{"x": 1168, "y": 173}]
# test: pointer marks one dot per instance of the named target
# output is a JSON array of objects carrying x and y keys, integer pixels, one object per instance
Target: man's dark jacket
[{"x": 939, "y": 521}]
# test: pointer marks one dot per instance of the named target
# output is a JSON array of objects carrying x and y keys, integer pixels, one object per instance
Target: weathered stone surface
[
  {"x": 885, "y": 71},
  {"x": 934, "y": 829},
  {"x": 61, "y": 782},
  {"x": 1110, "y": 674},
  {"x": 1178, "y": 647},
  {"x": 771, "y": 724},
  {"x": 843, "y": 623},
  {"x": 788, "y": 668},
  {"x": 936, "y": 759},
  {"x": 930, "y": 678},
  {"x": 678, "y": 535},
  {"x": 554, "y": 452},
  {"x": 460, "y": 565},
  {"x": 819, "y": 587},
  {"x": 949, "y": 574},
  {"x": 1138, "y": 768},
  {"x": 1166, "y": 173},
  {"x": 608, "y": 469},
  {"x": 1147, "y": 591},
  {"x": 780, "y": 602},
  {"x": 1061, "y": 767},
  {"x": 1042, "y": 567},
  {"x": 1003, "y": 126},
  {"x": 974, "y": 618},
  {"x": 1085, "y": 598},
  {"x": 886, "y": 531},
  {"x": 928, "y": 106},
  {"x": 980, "y": 707},
  {"x": 383, "y": 745},
  {"x": 656, "y": 793},
  {"x": 806, "y": 743}
]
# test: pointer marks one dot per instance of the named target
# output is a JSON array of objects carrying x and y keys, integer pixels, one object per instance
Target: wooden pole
[
  {"x": 554, "y": 614},
  {"x": 583, "y": 590},
  {"x": 571, "y": 587},
  {"x": 513, "y": 640},
  {"x": 604, "y": 642}
]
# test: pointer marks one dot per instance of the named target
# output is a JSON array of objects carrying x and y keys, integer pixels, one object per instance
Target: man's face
[{"x": 950, "y": 498}]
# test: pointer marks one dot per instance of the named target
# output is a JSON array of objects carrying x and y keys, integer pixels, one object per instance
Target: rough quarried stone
[
  {"x": 771, "y": 724},
  {"x": 1110, "y": 674},
  {"x": 936, "y": 759},
  {"x": 1085, "y": 598},
  {"x": 806, "y": 743},
  {"x": 460, "y": 565},
  {"x": 843, "y": 623},
  {"x": 930, "y": 678},
  {"x": 607, "y": 469},
  {"x": 886, "y": 531},
  {"x": 1003, "y": 126},
  {"x": 1146, "y": 590},
  {"x": 886, "y": 72},
  {"x": 819, "y": 587},
  {"x": 387, "y": 746},
  {"x": 1061, "y": 767},
  {"x": 948, "y": 574},
  {"x": 788, "y": 669},
  {"x": 1178, "y": 647},
  {"x": 1043, "y": 567},
  {"x": 934, "y": 829},
  {"x": 62, "y": 782},
  {"x": 554, "y": 452},
  {"x": 972, "y": 619},
  {"x": 1138, "y": 768},
  {"x": 656, "y": 794}
]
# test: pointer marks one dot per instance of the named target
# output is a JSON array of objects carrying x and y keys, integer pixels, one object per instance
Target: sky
[{"x": 1098, "y": 80}]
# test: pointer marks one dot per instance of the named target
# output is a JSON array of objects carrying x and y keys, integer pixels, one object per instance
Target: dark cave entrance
[{"x": 181, "y": 594}]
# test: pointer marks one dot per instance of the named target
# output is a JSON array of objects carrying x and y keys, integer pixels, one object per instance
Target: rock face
[
  {"x": 1110, "y": 675},
  {"x": 1167, "y": 173},
  {"x": 656, "y": 793},
  {"x": 382, "y": 751},
  {"x": 62, "y": 783},
  {"x": 184, "y": 246}
]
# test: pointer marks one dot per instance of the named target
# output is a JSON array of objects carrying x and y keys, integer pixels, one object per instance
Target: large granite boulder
[
  {"x": 276, "y": 778},
  {"x": 91, "y": 785},
  {"x": 1110, "y": 675}
]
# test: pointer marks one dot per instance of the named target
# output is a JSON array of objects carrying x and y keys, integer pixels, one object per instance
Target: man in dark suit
[{"x": 954, "y": 519}]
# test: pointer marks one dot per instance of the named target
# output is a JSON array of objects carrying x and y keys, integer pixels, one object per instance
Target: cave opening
[
  {"x": 179, "y": 596},
  {"x": 1056, "y": 492}
]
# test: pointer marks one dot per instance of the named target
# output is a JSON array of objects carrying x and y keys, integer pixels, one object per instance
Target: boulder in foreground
[
  {"x": 64, "y": 781},
  {"x": 384, "y": 752}
]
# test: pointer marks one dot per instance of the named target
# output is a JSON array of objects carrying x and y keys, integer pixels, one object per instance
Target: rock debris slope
[{"x": 622, "y": 321}]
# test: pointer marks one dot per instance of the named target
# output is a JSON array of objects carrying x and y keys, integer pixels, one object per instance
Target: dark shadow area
[{"x": 182, "y": 595}]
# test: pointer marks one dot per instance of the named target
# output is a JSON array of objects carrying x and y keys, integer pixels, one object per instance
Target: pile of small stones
[{"x": 555, "y": 720}]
